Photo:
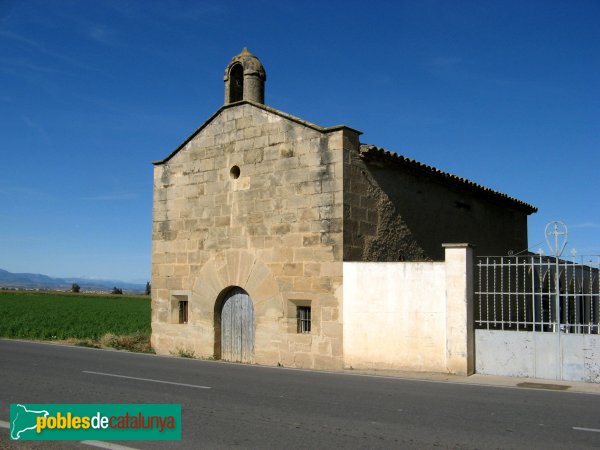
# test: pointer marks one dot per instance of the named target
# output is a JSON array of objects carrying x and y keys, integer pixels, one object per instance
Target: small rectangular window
[
  {"x": 179, "y": 307},
  {"x": 183, "y": 311},
  {"x": 303, "y": 318}
]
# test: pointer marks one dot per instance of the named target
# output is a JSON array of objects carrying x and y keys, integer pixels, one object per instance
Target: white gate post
[{"x": 459, "y": 309}]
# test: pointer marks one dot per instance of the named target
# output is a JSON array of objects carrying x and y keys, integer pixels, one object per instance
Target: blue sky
[{"x": 503, "y": 93}]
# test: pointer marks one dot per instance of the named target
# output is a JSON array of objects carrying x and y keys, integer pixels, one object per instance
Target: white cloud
[
  {"x": 44, "y": 50},
  {"x": 24, "y": 64}
]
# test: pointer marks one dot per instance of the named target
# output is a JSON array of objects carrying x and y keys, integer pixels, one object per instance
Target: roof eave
[{"x": 373, "y": 151}]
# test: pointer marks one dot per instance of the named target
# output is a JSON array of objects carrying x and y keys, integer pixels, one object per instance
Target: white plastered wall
[{"x": 410, "y": 315}]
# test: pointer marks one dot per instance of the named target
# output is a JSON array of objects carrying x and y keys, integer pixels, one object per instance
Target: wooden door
[{"x": 237, "y": 327}]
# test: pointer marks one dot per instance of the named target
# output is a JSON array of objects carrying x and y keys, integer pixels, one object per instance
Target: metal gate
[
  {"x": 237, "y": 327},
  {"x": 538, "y": 316}
]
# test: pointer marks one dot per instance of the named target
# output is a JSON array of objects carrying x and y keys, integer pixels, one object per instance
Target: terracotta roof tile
[{"x": 372, "y": 152}]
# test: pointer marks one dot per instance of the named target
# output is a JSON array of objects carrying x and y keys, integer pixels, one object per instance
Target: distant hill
[{"x": 39, "y": 281}]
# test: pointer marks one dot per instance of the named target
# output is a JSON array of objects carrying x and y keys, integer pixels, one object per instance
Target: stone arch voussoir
[{"x": 238, "y": 268}]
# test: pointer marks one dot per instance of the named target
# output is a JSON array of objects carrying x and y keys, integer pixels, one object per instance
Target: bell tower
[{"x": 245, "y": 79}]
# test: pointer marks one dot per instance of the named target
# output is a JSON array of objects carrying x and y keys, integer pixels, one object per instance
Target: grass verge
[{"x": 120, "y": 322}]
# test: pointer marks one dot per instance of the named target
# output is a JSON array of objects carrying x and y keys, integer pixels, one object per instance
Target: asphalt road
[{"x": 263, "y": 407}]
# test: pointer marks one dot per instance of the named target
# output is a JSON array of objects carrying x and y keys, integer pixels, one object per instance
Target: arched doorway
[{"x": 237, "y": 327}]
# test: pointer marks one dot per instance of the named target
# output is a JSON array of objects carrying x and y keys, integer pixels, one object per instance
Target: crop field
[{"x": 58, "y": 316}]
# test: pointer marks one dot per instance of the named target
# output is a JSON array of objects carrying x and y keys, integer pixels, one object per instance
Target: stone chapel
[{"x": 257, "y": 211}]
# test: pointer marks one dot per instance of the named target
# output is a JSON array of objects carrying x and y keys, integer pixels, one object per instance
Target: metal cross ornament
[{"x": 557, "y": 232}]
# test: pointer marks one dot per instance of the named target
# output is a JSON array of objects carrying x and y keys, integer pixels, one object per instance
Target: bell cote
[{"x": 245, "y": 79}]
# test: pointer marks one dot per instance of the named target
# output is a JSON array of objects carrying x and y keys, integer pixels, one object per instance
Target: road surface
[{"x": 231, "y": 405}]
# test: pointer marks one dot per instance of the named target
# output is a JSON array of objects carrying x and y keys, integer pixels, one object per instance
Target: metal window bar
[
  {"x": 183, "y": 311},
  {"x": 548, "y": 299},
  {"x": 538, "y": 293},
  {"x": 534, "y": 308},
  {"x": 303, "y": 319},
  {"x": 594, "y": 312},
  {"x": 508, "y": 287},
  {"x": 478, "y": 303},
  {"x": 494, "y": 296}
]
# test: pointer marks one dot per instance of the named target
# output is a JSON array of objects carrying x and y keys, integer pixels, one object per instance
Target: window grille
[
  {"x": 303, "y": 318},
  {"x": 183, "y": 311}
]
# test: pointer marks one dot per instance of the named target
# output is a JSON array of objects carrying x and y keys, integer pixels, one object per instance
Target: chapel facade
[{"x": 257, "y": 211}]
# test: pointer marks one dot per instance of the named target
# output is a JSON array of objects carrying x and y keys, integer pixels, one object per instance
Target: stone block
[
  {"x": 263, "y": 205},
  {"x": 293, "y": 269},
  {"x": 275, "y": 138},
  {"x": 181, "y": 258},
  {"x": 300, "y": 227},
  {"x": 298, "y": 202},
  {"x": 303, "y": 254},
  {"x": 337, "y": 348},
  {"x": 269, "y": 358},
  {"x": 331, "y": 329},
  {"x": 256, "y": 241},
  {"x": 312, "y": 269},
  {"x": 310, "y": 160},
  {"x": 267, "y": 310},
  {"x": 288, "y": 163},
  {"x": 303, "y": 360},
  {"x": 281, "y": 228},
  {"x": 285, "y": 284},
  {"x": 323, "y": 199},
  {"x": 239, "y": 241},
  {"x": 243, "y": 145},
  {"x": 321, "y": 284},
  {"x": 273, "y": 241},
  {"x": 308, "y": 187},
  {"x": 292, "y": 240},
  {"x": 285, "y": 255},
  {"x": 333, "y": 156},
  {"x": 182, "y": 270},
  {"x": 324, "y": 348},
  {"x": 300, "y": 343},
  {"x": 331, "y": 269},
  {"x": 302, "y": 284},
  {"x": 174, "y": 283},
  {"x": 332, "y": 185},
  {"x": 243, "y": 122},
  {"x": 276, "y": 269},
  {"x": 261, "y": 141},
  {"x": 328, "y": 363},
  {"x": 257, "y": 230},
  {"x": 336, "y": 140},
  {"x": 222, "y": 221},
  {"x": 295, "y": 176},
  {"x": 253, "y": 156},
  {"x": 311, "y": 240}
]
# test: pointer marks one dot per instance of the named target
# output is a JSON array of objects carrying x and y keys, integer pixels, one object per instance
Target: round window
[{"x": 234, "y": 172}]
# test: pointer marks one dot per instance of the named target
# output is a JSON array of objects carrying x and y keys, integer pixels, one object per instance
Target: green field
[{"x": 63, "y": 316}]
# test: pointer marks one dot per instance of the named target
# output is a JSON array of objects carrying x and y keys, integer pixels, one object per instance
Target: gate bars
[{"x": 524, "y": 293}]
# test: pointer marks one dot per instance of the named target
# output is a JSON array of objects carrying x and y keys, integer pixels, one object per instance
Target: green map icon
[{"x": 23, "y": 419}]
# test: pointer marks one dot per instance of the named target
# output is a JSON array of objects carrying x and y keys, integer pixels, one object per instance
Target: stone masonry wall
[
  {"x": 275, "y": 231},
  {"x": 373, "y": 226},
  {"x": 394, "y": 214},
  {"x": 442, "y": 211}
]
